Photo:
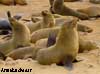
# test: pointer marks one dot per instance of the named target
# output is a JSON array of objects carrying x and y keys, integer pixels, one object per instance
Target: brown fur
[
  {"x": 23, "y": 53},
  {"x": 48, "y": 21},
  {"x": 67, "y": 45},
  {"x": 91, "y": 11},
  {"x": 7, "y": 2},
  {"x": 21, "y": 2},
  {"x": 20, "y": 37},
  {"x": 86, "y": 45},
  {"x": 58, "y": 7},
  {"x": 44, "y": 33},
  {"x": 70, "y": 0},
  {"x": 95, "y": 1}
]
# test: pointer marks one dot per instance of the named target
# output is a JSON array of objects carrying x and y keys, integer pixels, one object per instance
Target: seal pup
[
  {"x": 20, "y": 36},
  {"x": 65, "y": 48},
  {"x": 58, "y": 7}
]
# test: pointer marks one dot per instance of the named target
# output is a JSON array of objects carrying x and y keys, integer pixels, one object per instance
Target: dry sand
[{"x": 90, "y": 63}]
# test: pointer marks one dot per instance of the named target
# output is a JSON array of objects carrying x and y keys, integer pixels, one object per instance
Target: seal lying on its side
[
  {"x": 21, "y": 2},
  {"x": 58, "y": 7},
  {"x": 91, "y": 11},
  {"x": 95, "y": 1},
  {"x": 7, "y": 2}
]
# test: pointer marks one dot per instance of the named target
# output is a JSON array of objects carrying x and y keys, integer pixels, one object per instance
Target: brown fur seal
[
  {"x": 20, "y": 37},
  {"x": 48, "y": 21},
  {"x": 70, "y": 0},
  {"x": 58, "y": 7},
  {"x": 91, "y": 11},
  {"x": 21, "y": 34},
  {"x": 7, "y": 2},
  {"x": 20, "y": 2},
  {"x": 81, "y": 27},
  {"x": 86, "y": 45},
  {"x": 44, "y": 33},
  {"x": 65, "y": 49},
  {"x": 95, "y": 1},
  {"x": 51, "y": 1},
  {"x": 23, "y": 53}
]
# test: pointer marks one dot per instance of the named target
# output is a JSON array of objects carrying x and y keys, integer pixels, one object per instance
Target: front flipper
[{"x": 67, "y": 62}]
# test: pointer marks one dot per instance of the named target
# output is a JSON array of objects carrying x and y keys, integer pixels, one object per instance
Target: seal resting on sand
[
  {"x": 58, "y": 7},
  {"x": 47, "y": 21},
  {"x": 65, "y": 48},
  {"x": 95, "y": 1},
  {"x": 20, "y": 37}
]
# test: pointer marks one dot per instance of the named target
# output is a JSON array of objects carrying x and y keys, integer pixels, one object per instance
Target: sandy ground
[{"x": 90, "y": 63}]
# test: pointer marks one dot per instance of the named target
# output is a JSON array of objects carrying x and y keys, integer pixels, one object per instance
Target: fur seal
[
  {"x": 81, "y": 27},
  {"x": 7, "y": 2},
  {"x": 20, "y": 31},
  {"x": 44, "y": 33},
  {"x": 65, "y": 48},
  {"x": 95, "y": 1},
  {"x": 48, "y": 21},
  {"x": 86, "y": 45},
  {"x": 20, "y": 2},
  {"x": 23, "y": 53},
  {"x": 92, "y": 11},
  {"x": 58, "y": 7},
  {"x": 20, "y": 37},
  {"x": 70, "y": 0}
]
